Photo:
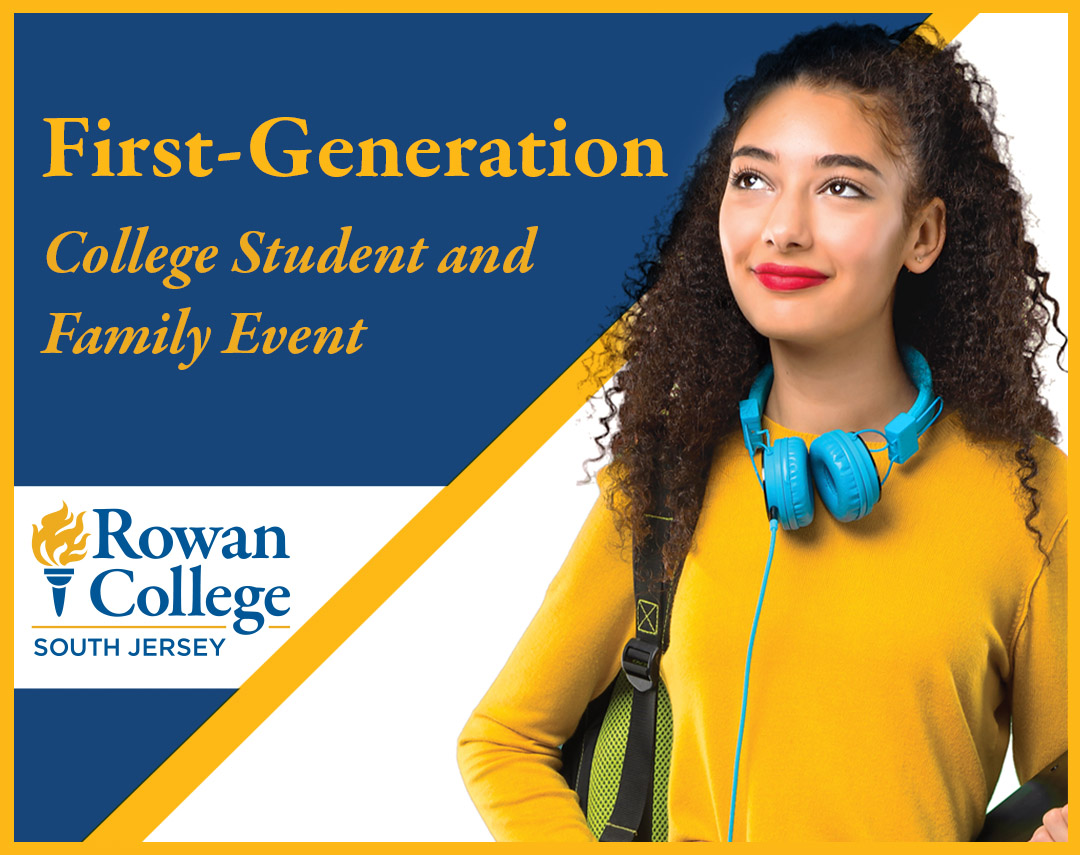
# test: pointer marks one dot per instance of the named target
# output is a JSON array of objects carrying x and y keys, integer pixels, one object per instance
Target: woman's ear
[{"x": 926, "y": 237}]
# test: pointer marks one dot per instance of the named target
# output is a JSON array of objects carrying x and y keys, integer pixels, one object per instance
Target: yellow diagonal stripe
[
  {"x": 950, "y": 23},
  {"x": 328, "y": 628}
]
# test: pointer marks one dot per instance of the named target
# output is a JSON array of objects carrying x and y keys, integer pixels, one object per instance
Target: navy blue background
[{"x": 448, "y": 360}]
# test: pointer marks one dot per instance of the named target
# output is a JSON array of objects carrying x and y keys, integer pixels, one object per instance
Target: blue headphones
[{"x": 838, "y": 462}]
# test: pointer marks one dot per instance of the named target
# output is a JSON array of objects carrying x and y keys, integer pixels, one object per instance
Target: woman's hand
[{"x": 1055, "y": 827}]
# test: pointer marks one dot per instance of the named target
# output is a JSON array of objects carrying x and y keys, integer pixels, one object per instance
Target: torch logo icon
[{"x": 58, "y": 542}]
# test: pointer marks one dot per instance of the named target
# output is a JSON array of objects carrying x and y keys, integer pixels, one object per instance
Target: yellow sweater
[{"x": 891, "y": 654}]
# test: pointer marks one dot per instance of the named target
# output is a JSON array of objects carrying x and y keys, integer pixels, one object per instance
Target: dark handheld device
[{"x": 1016, "y": 818}]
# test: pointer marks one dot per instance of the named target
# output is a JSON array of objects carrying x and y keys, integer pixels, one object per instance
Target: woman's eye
[
  {"x": 843, "y": 189},
  {"x": 747, "y": 181}
]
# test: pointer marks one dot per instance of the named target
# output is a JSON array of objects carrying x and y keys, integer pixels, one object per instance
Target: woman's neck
[{"x": 844, "y": 385}]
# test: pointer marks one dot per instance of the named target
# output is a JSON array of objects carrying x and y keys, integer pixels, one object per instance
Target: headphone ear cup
[
  {"x": 844, "y": 474},
  {"x": 788, "y": 486}
]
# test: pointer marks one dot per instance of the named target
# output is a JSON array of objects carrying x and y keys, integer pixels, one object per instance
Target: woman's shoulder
[
  {"x": 1050, "y": 460},
  {"x": 981, "y": 467}
]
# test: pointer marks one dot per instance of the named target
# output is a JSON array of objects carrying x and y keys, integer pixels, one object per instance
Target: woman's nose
[{"x": 788, "y": 224}]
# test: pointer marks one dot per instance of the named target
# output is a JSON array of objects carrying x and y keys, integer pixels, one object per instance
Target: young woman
[{"x": 849, "y": 237}]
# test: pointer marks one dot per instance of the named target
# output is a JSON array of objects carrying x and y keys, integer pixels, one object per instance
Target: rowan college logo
[{"x": 58, "y": 542}]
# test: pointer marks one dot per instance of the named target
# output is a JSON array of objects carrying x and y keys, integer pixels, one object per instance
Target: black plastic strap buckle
[{"x": 641, "y": 664}]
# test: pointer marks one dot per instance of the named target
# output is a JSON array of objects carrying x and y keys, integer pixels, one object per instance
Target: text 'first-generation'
[{"x": 272, "y": 149}]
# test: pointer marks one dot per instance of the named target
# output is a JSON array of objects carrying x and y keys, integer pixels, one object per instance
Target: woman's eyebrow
[
  {"x": 826, "y": 160},
  {"x": 852, "y": 160},
  {"x": 753, "y": 151}
]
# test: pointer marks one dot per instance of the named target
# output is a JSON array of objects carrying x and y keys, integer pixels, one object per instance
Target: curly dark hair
[{"x": 980, "y": 315}]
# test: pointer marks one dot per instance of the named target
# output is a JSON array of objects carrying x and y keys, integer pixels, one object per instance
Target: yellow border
[
  {"x": 948, "y": 22},
  {"x": 503, "y": 7},
  {"x": 337, "y": 619}
]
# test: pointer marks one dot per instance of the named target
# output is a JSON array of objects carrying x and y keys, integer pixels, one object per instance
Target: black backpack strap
[{"x": 632, "y": 815}]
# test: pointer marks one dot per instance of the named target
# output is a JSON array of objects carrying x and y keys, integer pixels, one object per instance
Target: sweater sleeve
[
  {"x": 1039, "y": 690},
  {"x": 509, "y": 752}
]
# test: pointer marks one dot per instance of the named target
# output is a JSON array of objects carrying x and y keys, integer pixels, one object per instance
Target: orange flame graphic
[{"x": 60, "y": 539}]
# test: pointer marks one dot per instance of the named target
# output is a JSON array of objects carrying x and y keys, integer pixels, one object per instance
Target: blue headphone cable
[{"x": 773, "y": 525}]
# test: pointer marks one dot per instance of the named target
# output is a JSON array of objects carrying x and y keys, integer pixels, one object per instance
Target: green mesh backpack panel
[
  {"x": 662, "y": 770},
  {"x": 607, "y": 760}
]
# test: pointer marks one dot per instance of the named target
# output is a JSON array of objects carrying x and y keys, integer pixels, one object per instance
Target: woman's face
[{"x": 812, "y": 222}]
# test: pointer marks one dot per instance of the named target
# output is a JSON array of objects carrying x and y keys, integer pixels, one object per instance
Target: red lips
[{"x": 781, "y": 277}]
